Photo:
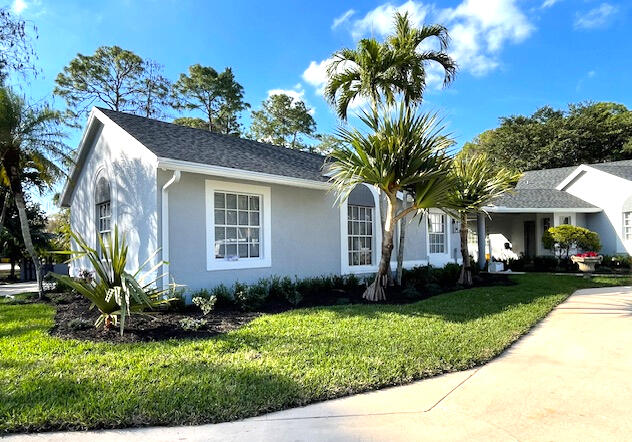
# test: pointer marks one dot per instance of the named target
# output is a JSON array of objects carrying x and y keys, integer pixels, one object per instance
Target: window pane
[
  {"x": 220, "y": 200},
  {"x": 242, "y": 202},
  {"x": 254, "y": 218},
  {"x": 254, "y": 203},
  {"x": 243, "y": 250},
  {"x": 254, "y": 250},
  {"x": 220, "y": 233},
  {"x": 231, "y": 201},
  {"x": 220, "y": 217},
  {"x": 243, "y": 218},
  {"x": 220, "y": 250},
  {"x": 231, "y": 217},
  {"x": 231, "y": 234},
  {"x": 243, "y": 234},
  {"x": 231, "y": 250},
  {"x": 362, "y": 228},
  {"x": 254, "y": 235}
]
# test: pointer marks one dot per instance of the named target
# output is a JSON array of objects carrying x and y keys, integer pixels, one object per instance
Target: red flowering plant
[{"x": 587, "y": 255}]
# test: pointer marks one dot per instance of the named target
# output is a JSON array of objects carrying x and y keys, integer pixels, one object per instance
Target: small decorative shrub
[
  {"x": 253, "y": 297},
  {"x": 192, "y": 323},
  {"x": 565, "y": 237},
  {"x": 447, "y": 276},
  {"x": 223, "y": 296},
  {"x": 206, "y": 304},
  {"x": 518, "y": 265},
  {"x": 283, "y": 289}
]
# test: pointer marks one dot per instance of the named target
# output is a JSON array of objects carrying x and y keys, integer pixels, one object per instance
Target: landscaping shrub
[
  {"x": 565, "y": 237},
  {"x": 448, "y": 275},
  {"x": 206, "y": 304},
  {"x": 223, "y": 296},
  {"x": 114, "y": 291},
  {"x": 545, "y": 263},
  {"x": 251, "y": 297},
  {"x": 518, "y": 265},
  {"x": 192, "y": 323}
]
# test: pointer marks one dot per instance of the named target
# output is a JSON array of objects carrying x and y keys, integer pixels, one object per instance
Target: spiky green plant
[{"x": 115, "y": 292}]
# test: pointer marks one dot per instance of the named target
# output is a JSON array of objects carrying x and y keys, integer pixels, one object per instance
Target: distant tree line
[
  {"x": 584, "y": 133},
  {"x": 121, "y": 80}
]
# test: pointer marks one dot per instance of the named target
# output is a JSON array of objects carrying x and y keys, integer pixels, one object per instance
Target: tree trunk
[
  {"x": 3, "y": 214},
  {"x": 376, "y": 291},
  {"x": 384, "y": 201},
  {"x": 400, "y": 244},
  {"x": 465, "y": 278},
  {"x": 11, "y": 163}
]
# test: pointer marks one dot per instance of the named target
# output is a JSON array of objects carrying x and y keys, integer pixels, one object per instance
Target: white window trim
[
  {"x": 439, "y": 257},
  {"x": 558, "y": 215},
  {"x": 345, "y": 268},
  {"x": 623, "y": 235},
  {"x": 104, "y": 172},
  {"x": 265, "y": 260}
]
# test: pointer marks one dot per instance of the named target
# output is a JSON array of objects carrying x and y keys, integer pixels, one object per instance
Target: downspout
[{"x": 165, "y": 227}]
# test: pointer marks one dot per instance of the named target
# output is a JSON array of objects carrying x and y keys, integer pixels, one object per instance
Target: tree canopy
[
  {"x": 584, "y": 133},
  {"x": 16, "y": 52},
  {"x": 216, "y": 94},
  {"x": 114, "y": 78},
  {"x": 284, "y": 121}
]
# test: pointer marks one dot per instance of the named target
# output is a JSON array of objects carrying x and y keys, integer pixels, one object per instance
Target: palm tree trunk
[
  {"x": 5, "y": 207},
  {"x": 11, "y": 163},
  {"x": 383, "y": 213},
  {"x": 376, "y": 291},
  {"x": 400, "y": 244},
  {"x": 465, "y": 278}
]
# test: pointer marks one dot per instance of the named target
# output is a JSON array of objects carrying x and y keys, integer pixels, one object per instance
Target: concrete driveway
[{"x": 569, "y": 379}]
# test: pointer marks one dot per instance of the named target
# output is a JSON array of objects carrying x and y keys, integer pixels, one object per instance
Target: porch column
[{"x": 481, "y": 233}]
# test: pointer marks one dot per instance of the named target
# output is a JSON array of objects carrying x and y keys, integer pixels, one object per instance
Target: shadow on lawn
[{"x": 191, "y": 393}]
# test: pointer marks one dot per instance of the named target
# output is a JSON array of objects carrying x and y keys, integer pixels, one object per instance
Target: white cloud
[
  {"x": 549, "y": 3},
  {"x": 343, "y": 18},
  {"x": 18, "y": 6},
  {"x": 380, "y": 20},
  {"x": 316, "y": 74},
  {"x": 595, "y": 18}
]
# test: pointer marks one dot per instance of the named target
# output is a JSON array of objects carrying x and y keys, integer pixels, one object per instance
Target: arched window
[
  {"x": 360, "y": 226},
  {"x": 103, "y": 209}
]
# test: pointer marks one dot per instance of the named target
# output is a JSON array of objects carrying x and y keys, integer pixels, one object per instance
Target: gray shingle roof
[
  {"x": 541, "y": 199},
  {"x": 621, "y": 171},
  {"x": 544, "y": 179},
  {"x": 171, "y": 141}
]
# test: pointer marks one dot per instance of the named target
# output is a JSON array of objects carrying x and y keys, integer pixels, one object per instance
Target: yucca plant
[{"x": 114, "y": 291}]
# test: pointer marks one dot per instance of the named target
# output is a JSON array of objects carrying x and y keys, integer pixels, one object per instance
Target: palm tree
[
  {"x": 405, "y": 151},
  {"x": 476, "y": 183},
  {"x": 369, "y": 71},
  {"x": 31, "y": 144},
  {"x": 410, "y": 46}
]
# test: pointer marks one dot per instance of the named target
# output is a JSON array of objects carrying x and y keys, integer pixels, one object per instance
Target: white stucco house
[
  {"x": 221, "y": 208},
  {"x": 595, "y": 196}
]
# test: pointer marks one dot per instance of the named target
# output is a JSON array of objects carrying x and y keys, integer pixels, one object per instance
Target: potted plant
[{"x": 587, "y": 261}]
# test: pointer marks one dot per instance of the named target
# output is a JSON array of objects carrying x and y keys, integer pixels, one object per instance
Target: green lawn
[{"x": 278, "y": 361}]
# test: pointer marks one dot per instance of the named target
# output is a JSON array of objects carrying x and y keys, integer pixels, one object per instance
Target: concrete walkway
[
  {"x": 18, "y": 287},
  {"x": 569, "y": 379}
]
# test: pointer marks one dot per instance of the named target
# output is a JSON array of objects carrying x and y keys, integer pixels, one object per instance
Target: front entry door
[{"x": 529, "y": 238}]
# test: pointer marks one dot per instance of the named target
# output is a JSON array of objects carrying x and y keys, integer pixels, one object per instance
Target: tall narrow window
[
  {"x": 103, "y": 210},
  {"x": 627, "y": 226},
  {"x": 436, "y": 232},
  {"x": 360, "y": 235},
  {"x": 237, "y": 226}
]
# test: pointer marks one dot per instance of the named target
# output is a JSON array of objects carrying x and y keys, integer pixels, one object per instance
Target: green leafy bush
[
  {"x": 251, "y": 297},
  {"x": 205, "y": 303},
  {"x": 565, "y": 237},
  {"x": 115, "y": 292},
  {"x": 448, "y": 275}
]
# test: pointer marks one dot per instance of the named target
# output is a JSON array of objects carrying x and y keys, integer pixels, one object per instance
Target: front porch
[{"x": 514, "y": 234}]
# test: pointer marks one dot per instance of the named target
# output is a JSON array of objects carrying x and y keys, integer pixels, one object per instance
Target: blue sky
[{"x": 514, "y": 55}]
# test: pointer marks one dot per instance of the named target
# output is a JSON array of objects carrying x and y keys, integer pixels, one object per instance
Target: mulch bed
[
  {"x": 151, "y": 326},
  {"x": 75, "y": 320}
]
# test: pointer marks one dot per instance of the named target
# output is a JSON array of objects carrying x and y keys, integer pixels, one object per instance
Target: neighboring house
[
  {"x": 595, "y": 196},
  {"x": 223, "y": 209}
]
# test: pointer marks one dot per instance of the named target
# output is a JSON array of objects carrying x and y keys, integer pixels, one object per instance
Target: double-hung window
[
  {"x": 360, "y": 235},
  {"x": 238, "y": 220},
  {"x": 103, "y": 212},
  {"x": 627, "y": 226},
  {"x": 437, "y": 232}
]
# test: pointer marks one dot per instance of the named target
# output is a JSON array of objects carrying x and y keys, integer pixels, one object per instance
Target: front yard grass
[{"x": 275, "y": 362}]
